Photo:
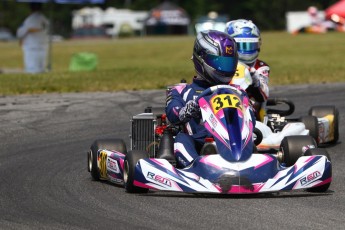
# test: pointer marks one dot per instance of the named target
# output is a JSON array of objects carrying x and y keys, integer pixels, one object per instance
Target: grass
[{"x": 155, "y": 62}]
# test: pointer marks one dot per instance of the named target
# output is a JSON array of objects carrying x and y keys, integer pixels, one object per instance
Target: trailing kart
[
  {"x": 229, "y": 164},
  {"x": 322, "y": 123}
]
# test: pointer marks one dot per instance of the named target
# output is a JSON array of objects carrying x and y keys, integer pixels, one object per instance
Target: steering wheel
[{"x": 213, "y": 89}]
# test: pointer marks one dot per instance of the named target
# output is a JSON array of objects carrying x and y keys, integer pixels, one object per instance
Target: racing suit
[
  {"x": 258, "y": 91},
  {"x": 188, "y": 142}
]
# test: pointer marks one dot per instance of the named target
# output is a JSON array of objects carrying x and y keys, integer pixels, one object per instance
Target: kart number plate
[{"x": 225, "y": 101}]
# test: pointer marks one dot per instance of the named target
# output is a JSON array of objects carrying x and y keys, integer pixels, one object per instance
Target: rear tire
[
  {"x": 131, "y": 161},
  {"x": 311, "y": 124},
  {"x": 322, "y": 152},
  {"x": 292, "y": 148},
  {"x": 109, "y": 144},
  {"x": 322, "y": 111}
]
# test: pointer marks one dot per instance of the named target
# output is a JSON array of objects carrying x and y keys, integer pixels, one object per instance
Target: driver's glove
[
  {"x": 255, "y": 77},
  {"x": 189, "y": 111}
]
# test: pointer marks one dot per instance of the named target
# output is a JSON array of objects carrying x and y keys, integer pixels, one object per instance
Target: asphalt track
[{"x": 44, "y": 183}]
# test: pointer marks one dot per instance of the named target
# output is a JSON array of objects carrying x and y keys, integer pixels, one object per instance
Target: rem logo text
[
  {"x": 159, "y": 179},
  {"x": 310, "y": 177}
]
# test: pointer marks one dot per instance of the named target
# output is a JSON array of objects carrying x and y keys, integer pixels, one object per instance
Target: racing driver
[
  {"x": 215, "y": 60},
  {"x": 248, "y": 39}
]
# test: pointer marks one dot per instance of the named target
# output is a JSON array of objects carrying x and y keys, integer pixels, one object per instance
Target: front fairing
[
  {"x": 261, "y": 173},
  {"x": 226, "y": 116}
]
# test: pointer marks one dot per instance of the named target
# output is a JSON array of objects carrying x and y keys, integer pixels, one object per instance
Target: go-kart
[
  {"x": 322, "y": 123},
  {"x": 229, "y": 164}
]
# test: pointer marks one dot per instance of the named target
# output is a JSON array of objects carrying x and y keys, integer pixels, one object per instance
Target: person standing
[{"x": 34, "y": 38}]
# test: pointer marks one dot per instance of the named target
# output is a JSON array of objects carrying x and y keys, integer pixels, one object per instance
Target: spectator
[{"x": 33, "y": 37}]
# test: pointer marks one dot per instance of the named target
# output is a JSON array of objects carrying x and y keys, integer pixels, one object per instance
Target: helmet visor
[
  {"x": 248, "y": 46},
  {"x": 225, "y": 65}
]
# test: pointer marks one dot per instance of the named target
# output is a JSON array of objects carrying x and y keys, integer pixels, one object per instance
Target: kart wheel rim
[
  {"x": 90, "y": 161},
  {"x": 125, "y": 172}
]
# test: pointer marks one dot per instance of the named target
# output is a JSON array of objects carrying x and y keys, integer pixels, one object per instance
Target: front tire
[
  {"x": 131, "y": 161},
  {"x": 109, "y": 144},
  {"x": 292, "y": 148},
  {"x": 322, "y": 152}
]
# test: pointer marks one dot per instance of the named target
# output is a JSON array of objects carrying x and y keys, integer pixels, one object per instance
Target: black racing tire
[
  {"x": 322, "y": 152},
  {"x": 292, "y": 148},
  {"x": 312, "y": 125},
  {"x": 109, "y": 144},
  {"x": 258, "y": 136},
  {"x": 324, "y": 110},
  {"x": 130, "y": 162}
]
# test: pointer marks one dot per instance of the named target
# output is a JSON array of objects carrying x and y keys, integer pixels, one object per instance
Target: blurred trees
[{"x": 268, "y": 15}]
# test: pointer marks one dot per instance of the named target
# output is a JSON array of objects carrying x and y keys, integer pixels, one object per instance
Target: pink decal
[
  {"x": 309, "y": 159},
  {"x": 156, "y": 161},
  {"x": 175, "y": 112},
  {"x": 118, "y": 153},
  {"x": 220, "y": 114},
  {"x": 245, "y": 102},
  {"x": 203, "y": 104},
  {"x": 239, "y": 113},
  {"x": 205, "y": 161},
  {"x": 249, "y": 138},
  {"x": 266, "y": 161},
  {"x": 329, "y": 180},
  {"x": 296, "y": 184},
  {"x": 142, "y": 185},
  {"x": 244, "y": 189},
  {"x": 215, "y": 135},
  {"x": 218, "y": 188},
  {"x": 296, "y": 168},
  {"x": 169, "y": 167},
  {"x": 122, "y": 163},
  {"x": 179, "y": 87},
  {"x": 175, "y": 185}
]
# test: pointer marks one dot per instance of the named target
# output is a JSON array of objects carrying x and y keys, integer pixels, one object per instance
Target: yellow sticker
[
  {"x": 103, "y": 164},
  {"x": 239, "y": 71},
  {"x": 330, "y": 119},
  {"x": 223, "y": 101}
]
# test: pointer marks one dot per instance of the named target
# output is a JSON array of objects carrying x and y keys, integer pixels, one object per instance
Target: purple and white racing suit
[{"x": 189, "y": 141}]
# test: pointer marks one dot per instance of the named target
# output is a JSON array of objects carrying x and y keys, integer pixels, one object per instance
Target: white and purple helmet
[
  {"x": 247, "y": 37},
  {"x": 215, "y": 56}
]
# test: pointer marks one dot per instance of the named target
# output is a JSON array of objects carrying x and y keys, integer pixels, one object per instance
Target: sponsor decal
[
  {"x": 102, "y": 159},
  {"x": 213, "y": 121},
  {"x": 310, "y": 177},
  {"x": 112, "y": 165},
  {"x": 229, "y": 50},
  {"x": 159, "y": 179}
]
